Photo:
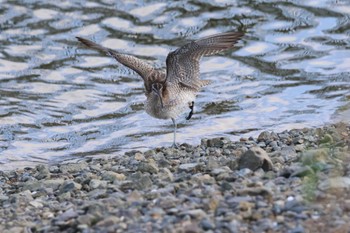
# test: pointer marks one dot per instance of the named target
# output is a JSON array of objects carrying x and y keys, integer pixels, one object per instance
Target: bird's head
[{"x": 157, "y": 89}]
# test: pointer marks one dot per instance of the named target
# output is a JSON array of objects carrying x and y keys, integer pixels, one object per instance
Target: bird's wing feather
[
  {"x": 183, "y": 63},
  {"x": 139, "y": 66}
]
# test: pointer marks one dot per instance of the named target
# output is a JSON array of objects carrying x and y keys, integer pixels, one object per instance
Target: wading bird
[{"x": 170, "y": 93}]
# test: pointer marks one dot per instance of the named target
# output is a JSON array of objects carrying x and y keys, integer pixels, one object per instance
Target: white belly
[{"x": 172, "y": 108}]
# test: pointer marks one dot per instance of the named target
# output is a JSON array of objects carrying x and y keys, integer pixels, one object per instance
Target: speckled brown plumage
[{"x": 170, "y": 94}]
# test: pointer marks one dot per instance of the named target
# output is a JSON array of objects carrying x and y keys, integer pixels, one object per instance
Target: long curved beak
[{"x": 160, "y": 98}]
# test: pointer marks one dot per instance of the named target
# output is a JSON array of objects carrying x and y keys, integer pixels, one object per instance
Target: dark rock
[
  {"x": 217, "y": 142},
  {"x": 69, "y": 186}
]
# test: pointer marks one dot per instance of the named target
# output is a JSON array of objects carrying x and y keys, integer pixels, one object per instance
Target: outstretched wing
[
  {"x": 183, "y": 63},
  {"x": 139, "y": 66}
]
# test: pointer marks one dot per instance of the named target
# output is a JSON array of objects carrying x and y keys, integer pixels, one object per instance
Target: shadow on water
[{"x": 60, "y": 100}]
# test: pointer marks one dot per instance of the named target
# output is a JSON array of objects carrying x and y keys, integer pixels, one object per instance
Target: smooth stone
[
  {"x": 54, "y": 169},
  {"x": 36, "y": 204},
  {"x": 68, "y": 214},
  {"x": 108, "y": 221},
  {"x": 36, "y": 185},
  {"x": 166, "y": 175},
  {"x": 97, "y": 193},
  {"x": 25, "y": 197},
  {"x": 195, "y": 213},
  {"x": 73, "y": 167},
  {"x": 212, "y": 163},
  {"x": 244, "y": 172},
  {"x": 220, "y": 170},
  {"x": 111, "y": 176},
  {"x": 256, "y": 191},
  {"x": 69, "y": 186},
  {"x": 207, "y": 224},
  {"x": 265, "y": 136},
  {"x": 299, "y": 148},
  {"x": 94, "y": 184},
  {"x": 254, "y": 159},
  {"x": 288, "y": 153},
  {"x": 86, "y": 219},
  {"x": 187, "y": 167},
  {"x": 139, "y": 156},
  {"x": 148, "y": 167},
  {"x": 42, "y": 172}
]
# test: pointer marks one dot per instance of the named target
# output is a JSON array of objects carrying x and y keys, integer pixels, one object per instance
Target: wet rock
[{"x": 254, "y": 159}]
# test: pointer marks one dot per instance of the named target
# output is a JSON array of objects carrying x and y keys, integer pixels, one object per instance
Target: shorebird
[{"x": 170, "y": 93}]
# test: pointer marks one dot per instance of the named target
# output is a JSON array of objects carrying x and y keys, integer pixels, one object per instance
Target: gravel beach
[{"x": 293, "y": 181}]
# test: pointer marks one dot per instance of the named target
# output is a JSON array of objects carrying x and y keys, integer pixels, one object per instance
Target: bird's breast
[{"x": 174, "y": 104}]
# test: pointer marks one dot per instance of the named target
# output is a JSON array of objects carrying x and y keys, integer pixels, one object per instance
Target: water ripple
[{"x": 60, "y": 100}]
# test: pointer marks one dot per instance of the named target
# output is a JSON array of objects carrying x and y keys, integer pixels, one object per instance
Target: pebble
[
  {"x": 188, "y": 167},
  {"x": 218, "y": 186}
]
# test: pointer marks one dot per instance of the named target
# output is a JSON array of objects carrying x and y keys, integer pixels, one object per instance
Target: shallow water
[{"x": 61, "y": 101}]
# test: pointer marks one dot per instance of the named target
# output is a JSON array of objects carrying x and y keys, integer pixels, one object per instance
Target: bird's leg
[
  {"x": 191, "y": 112},
  {"x": 174, "y": 142}
]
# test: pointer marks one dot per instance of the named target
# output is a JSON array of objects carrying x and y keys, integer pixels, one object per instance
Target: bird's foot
[
  {"x": 191, "y": 112},
  {"x": 174, "y": 146}
]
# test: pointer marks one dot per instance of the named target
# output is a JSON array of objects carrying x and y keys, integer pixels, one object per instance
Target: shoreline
[{"x": 293, "y": 181}]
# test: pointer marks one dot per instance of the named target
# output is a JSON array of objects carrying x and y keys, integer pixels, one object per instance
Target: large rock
[{"x": 254, "y": 159}]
